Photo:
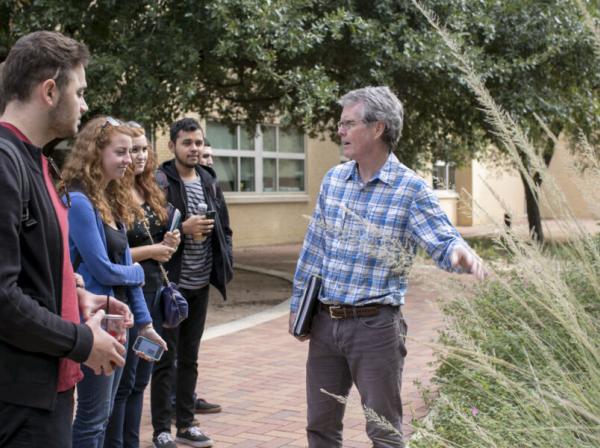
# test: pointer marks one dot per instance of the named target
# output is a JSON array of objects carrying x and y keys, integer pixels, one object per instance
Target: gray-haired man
[{"x": 371, "y": 215}]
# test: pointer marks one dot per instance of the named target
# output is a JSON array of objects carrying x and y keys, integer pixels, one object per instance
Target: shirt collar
[
  {"x": 387, "y": 174},
  {"x": 16, "y": 131}
]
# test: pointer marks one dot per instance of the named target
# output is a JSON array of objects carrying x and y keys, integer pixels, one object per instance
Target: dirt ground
[{"x": 248, "y": 293}]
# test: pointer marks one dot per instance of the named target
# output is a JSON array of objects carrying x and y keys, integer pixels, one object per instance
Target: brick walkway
[{"x": 257, "y": 375}]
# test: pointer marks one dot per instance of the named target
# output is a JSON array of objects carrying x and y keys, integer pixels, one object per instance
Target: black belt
[{"x": 349, "y": 311}]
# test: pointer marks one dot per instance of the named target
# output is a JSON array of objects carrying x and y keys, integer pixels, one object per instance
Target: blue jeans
[
  {"x": 123, "y": 428},
  {"x": 124, "y": 425},
  {"x": 95, "y": 398}
]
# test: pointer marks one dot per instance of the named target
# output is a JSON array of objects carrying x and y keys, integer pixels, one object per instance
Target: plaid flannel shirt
[{"x": 362, "y": 237}]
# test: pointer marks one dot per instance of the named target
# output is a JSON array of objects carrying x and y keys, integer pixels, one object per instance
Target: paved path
[{"x": 257, "y": 374}]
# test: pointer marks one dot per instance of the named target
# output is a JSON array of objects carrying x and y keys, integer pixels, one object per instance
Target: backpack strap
[{"x": 23, "y": 178}]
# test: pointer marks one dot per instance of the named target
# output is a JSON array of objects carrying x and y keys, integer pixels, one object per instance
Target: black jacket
[
  {"x": 32, "y": 334},
  {"x": 222, "y": 269}
]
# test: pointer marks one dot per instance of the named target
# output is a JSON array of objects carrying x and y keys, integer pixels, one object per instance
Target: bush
[{"x": 521, "y": 361}]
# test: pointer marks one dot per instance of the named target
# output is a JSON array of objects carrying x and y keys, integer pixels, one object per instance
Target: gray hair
[{"x": 379, "y": 104}]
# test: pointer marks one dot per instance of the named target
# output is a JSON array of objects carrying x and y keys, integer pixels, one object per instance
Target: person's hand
[
  {"x": 161, "y": 252},
  {"x": 79, "y": 283},
  {"x": 205, "y": 225},
  {"x": 90, "y": 304},
  {"x": 291, "y": 328},
  {"x": 172, "y": 239},
  {"x": 197, "y": 224},
  {"x": 464, "y": 258},
  {"x": 149, "y": 332},
  {"x": 107, "y": 353}
]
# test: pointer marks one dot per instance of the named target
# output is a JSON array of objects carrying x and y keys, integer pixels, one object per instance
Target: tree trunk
[{"x": 534, "y": 216}]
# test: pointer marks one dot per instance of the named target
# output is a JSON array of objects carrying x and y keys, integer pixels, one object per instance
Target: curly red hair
[{"x": 83, "y": 168}]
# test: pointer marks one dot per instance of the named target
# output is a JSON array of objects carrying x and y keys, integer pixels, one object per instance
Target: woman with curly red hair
[
  {"x": 150, "y": 244},
  {"x": 101, "y": 209}
]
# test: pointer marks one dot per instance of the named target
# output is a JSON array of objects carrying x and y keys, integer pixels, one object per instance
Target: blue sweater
[{"x": 87, "y": 237}]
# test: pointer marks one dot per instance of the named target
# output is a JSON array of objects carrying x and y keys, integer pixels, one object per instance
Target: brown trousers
[{"x": 366, "y": 351}]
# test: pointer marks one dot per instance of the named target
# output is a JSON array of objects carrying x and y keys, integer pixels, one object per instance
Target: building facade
[{"x": 271, "y": 175}]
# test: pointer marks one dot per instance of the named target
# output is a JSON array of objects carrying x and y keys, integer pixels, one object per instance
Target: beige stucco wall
[
  {"x": 276, "y": 218},
  {"x": 579, "y": 189},
  {"x": 464, "y": 187},
  {"x": 449, "y": 203},
  {"x": 479, "y": 184},
  {"x": 448, "y": 199},
  {"x": 256, "y": 222}
]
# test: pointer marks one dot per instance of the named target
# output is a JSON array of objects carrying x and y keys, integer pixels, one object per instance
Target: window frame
[
  {"x": 259, "y": 154},
  {"x": 446, "y": 181}
]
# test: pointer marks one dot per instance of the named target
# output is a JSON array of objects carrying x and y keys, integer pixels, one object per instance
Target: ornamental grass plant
[{"x": 520, "y": 360}]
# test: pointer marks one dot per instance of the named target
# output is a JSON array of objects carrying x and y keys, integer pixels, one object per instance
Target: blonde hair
[{"x": 83, "y": 169}]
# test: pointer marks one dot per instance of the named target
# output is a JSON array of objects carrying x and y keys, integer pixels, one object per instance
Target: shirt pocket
[{"x": 386, "y": 238}]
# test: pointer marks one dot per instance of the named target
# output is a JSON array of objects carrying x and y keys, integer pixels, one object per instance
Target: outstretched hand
[{"x": 464, "y": 258}]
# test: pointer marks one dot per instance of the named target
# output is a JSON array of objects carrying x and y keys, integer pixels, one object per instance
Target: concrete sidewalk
[
  {"x": 554, "y": 229},
  {"x": 257, "y": 373}
]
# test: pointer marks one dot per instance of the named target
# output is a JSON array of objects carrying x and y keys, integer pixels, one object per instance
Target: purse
[{"x": 173, "y": 305}]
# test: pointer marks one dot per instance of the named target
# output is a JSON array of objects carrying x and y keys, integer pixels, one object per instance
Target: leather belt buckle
[{"x": 332, "y": 309}]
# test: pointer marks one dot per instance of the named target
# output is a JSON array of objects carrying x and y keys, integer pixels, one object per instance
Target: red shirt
[{"x": 69, "y": 372}]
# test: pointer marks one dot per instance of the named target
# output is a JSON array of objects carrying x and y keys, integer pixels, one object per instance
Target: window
[
  {"x": 444, "y": 176},
  {"x": 267, "y": 159}
]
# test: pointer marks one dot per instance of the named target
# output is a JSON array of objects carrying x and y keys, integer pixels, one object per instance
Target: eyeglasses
[
  {"x": 110, "y": 121},
  {"x": 56, "y": 74},
  {"x": 134, "y": 124},
  {"x": 348, "y": 124},
  {"x": 113, "y": 122}
]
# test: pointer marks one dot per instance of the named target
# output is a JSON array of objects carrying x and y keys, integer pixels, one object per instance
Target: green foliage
[
  {"x": 487, "y": 248},
  {"x": 256, "y": 60},
  {"x": 521, "y": 360}
]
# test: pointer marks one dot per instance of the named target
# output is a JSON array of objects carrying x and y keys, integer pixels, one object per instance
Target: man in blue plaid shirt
[{"x": 371, "y": 214}]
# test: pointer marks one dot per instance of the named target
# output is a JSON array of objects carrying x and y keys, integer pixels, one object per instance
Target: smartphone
[
  {"x": 175, "y": 220},
  {"x": 211, "y": 214},
  {"x": 149, "y": 348}
]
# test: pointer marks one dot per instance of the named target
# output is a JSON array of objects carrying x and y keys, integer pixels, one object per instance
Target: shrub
[{"x": 520, "y": 361}]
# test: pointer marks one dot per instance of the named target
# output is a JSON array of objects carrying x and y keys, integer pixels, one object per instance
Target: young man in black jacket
[
  {"x": 204, "y": 257},
  {"x": 42, "y": 342}
]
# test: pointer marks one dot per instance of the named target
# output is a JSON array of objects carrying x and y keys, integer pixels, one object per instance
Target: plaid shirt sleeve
[
  {"x": 313, "y": 250},
  {"x": 430, "y": 228}
]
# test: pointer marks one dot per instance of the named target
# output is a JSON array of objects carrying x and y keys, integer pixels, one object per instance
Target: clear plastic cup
[{"x": 114, "y": 324}]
